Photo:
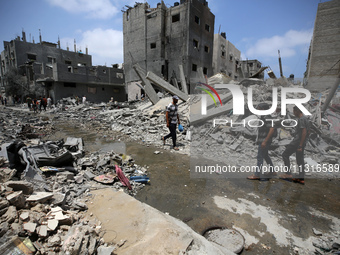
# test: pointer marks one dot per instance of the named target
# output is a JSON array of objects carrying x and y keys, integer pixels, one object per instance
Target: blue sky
[{"x": 258, "y": 28}]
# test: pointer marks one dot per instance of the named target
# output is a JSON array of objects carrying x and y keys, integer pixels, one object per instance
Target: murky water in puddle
[{"x": 194, "y": 200}]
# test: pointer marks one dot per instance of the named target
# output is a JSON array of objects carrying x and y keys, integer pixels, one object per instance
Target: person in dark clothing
[
  {"x": 29, "y": 103},
  {"x": 297, "y": 146},
  {"x": 35, "y": 105},
  {"x": 44, "y": 103},
  {"x": 264, "y": 139},
  {"x": 172, "y": 118}
]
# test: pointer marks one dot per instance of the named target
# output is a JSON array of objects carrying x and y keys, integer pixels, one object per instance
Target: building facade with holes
[
  {"x": 60, "y": 73},
  {"x": 226, "y": 58},
  {"x": 162, "y": 38}
]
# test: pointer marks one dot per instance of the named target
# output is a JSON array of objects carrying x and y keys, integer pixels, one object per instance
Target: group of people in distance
[{"x": 42, "y": 103}]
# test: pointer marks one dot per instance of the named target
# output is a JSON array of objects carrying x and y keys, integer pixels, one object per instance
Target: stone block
[
  {"x": 39, "y": 197},
  {"x": 10, "y": 215},
  {"x": 52, "y": 224},
  {"x": 88, "y": 175},
  {"x": 102, "y": 250},
  {"x": 68, "y": 175},
  {"x": 42, "y": 231},
  {"x": 3, "y": 228},
  {"x": 25, "y": 186},
  {"x": 30, "y": 226},
  {"x": 17, "y": 199},
  {"x": 24, "y": 215},
  {"x": 3, "y": 204}
]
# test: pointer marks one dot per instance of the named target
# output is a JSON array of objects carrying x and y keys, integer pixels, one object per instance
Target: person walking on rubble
[
  {"x": 265, "y": 135},
  {"x": 29, "y": 103},
  {"x": 35, "y": 105},
  {"x": 44, "y": 103},
  {"x": 172, "y": 118},
  {"x": 298, "y": 146},
  {"x": 49, "y": 103}
]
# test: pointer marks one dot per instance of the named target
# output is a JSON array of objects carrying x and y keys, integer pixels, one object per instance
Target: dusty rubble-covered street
[{"x": 61, "y": 162}]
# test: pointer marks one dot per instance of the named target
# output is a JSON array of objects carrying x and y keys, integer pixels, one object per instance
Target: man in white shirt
[{"x": 172, "y": 118}]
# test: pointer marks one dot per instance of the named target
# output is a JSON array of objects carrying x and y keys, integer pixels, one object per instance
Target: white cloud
[
  {"x": 288, "y": 44},
  {"x": 105, "y": 46},
  {"x": 99, "y": 9}
]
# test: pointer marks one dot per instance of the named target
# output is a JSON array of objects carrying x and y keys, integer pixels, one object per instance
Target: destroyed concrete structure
[
  {"x": 251, "y": 68},
  {"x": 182, "y": 34},
  {"x": 178, "y": 44},
  {"x": 227, "y": 58},
  {"x": 323, "y": 62},
  {"x": 141, "y": 121},
  {"x": 61, "y": 73}
]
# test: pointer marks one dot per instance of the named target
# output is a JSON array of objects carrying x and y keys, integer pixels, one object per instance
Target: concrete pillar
[
  {"x": 174, "y": 81},
  {"x": 165, "y": 85},
  {"x": 149, "y": 91},
  {"x": 201, "y": 76},
  {"x": 182, "y": 77}
]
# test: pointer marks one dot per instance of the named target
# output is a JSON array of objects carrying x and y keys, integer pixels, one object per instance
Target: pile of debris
[
  {"x": 141, "y": 121},
  {"x": 234, "y": 144},
  {"x": 45, "y": 206},
  {"x": 44, "y": 188}
]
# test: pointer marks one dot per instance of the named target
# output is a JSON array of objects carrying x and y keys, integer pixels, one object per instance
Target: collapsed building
[
  {"x": 226, "y": 58},
  {"x": 178, "y": 44},
  {"x": 60, "y": 73},
  {"x": 167, "y": 37}
]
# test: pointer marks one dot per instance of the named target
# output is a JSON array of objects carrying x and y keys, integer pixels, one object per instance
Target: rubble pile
[
  {"x": 22, "y": 125},
  {"x": 141, "y": 121},
  {"x": 235, "y": 144},
  {"x": 44, "y": 187},
  {"x": 48, "y": 209}
]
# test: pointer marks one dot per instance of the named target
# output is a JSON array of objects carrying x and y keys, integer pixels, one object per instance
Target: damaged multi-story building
[
  {"x": 160, "y": 39},
  {"x": 252, "y": 69},
  {"x": 323, "y": 64},
  {"x": 226, "y": 57},
  {"x": 62, "y": 73},
  {"x": 163, "y": 38}
]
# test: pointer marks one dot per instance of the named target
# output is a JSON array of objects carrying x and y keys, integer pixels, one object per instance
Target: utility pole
[{"x": 281, "y": 74}]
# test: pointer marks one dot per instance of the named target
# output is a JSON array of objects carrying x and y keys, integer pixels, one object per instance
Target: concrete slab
[
  {"x": 39, "y": 197},
  {"x": 42, "y": 230},
  {"x": 30, "y": 226},
  {"x": 52, "y": 224},
  {"x": 149, "y": 90},
  {"x": 145, "y": 229},
  {"x": 165, "y": 85},
  {"x": 24, "y": 216},
  {"x": 102, "y": 250},
  {"x": 183, "y": 81}
]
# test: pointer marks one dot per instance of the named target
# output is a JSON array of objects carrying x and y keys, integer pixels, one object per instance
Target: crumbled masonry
[{"x": 45, "y": 184}]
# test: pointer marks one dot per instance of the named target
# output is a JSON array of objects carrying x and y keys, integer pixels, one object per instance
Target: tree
[{"x": 15, "y": 83}]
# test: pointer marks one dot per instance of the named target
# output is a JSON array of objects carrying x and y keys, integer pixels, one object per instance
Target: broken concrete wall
[
  {"x": 159, "y": 25},
  {"x": 323, "y": 61}
]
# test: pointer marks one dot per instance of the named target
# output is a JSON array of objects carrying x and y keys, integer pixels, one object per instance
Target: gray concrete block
[
  {"x": 25, "y": 186},
  {"x": 165, "y": 85}
]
